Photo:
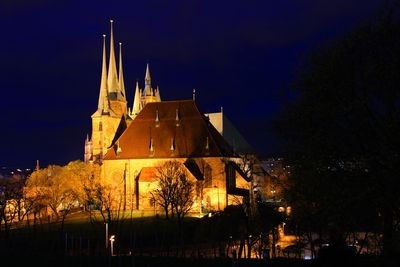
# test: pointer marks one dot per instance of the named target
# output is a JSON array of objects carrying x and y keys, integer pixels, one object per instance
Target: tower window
[{"x": 100, "y": 126}]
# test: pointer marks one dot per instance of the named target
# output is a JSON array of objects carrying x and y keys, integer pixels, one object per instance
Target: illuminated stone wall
[{"x": 118, "y": 172}]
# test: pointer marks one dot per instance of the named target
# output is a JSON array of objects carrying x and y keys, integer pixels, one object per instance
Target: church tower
[
  {"x": 147, "y": 95},
  {"x": 112, "y": 112},
  {"x": 111, "y": 108}
]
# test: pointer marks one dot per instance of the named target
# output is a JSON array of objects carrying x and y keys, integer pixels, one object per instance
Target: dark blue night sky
[{"x": 241, "y": 55}]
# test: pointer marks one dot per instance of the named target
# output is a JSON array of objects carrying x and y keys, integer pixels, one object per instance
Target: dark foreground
[{"x": 139, "y": 261}]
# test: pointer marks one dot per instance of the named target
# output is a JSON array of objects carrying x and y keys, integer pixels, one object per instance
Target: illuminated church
[{"x": 130, "y": 143}]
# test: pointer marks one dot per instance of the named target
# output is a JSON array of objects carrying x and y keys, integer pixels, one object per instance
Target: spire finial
[
  {"x": 194, "y": 94},
  {"x": 112, "y": 80}
]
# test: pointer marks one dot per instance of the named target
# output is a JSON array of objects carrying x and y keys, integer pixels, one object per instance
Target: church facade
[{"x": 131, "y": 143}]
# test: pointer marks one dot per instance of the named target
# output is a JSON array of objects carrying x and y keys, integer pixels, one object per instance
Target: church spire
[
  {"x": 121, "y": 74},
  {"x": 112, "y": 81},
  {"x": 136, "y": 101},
  {"x": 103, "y": 104},
  {"x": 157, "y": 94},
  {"x": 147, "y": 82}
]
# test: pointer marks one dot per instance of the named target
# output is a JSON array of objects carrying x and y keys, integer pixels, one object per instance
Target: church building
[{"x": 130, "y": 143}]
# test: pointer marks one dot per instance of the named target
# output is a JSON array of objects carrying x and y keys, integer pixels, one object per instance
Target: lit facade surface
[{"x": 130, "y": 143}]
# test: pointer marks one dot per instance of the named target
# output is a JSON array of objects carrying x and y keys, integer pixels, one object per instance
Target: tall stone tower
[
  {"x": 112, "y": 105},
  {"x": 112, "y": 109}
]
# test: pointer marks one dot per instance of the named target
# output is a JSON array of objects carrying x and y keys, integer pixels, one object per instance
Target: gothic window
[
  {"x": 100, "y": 126},
  {"x": 207, "y": 176}
]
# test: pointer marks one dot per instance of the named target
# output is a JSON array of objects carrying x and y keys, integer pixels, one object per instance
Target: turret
[
  {"x": 148, "y": 91},
  {"x": 88, "y": 149},
  {"x": 148, "y": 95}
]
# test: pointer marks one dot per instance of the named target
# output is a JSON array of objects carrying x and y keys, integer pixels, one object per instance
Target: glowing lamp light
[{"x": 112, "y": 240}]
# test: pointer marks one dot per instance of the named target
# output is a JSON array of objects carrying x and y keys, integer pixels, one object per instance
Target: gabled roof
[{"x": 180, "y": 131}]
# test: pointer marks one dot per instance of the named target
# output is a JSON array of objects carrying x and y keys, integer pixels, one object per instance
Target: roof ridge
[{"x": 169, "y": 101}]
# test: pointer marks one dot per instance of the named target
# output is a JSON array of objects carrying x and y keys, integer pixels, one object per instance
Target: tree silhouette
[{"x": 340, "y": 135}]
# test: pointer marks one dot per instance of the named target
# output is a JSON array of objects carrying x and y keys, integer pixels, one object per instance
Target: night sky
[{"x": 241, "y": 55}]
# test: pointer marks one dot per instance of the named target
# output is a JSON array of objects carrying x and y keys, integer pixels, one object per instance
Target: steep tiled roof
[{"x": 179, "y": 130}]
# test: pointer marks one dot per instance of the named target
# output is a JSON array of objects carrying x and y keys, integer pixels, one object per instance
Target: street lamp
[
  {"x": 112, "y": 239},
  {"x": 106, "y": 236},
  {"x": 217, "y": 195}
]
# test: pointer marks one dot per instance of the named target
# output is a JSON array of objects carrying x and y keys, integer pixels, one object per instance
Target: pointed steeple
[
  {"x": 121, "y": 74},
  {"x": 103, "y": 105},
  {"x": 136, "y": 101},
  {"x": 112, "y": 81},
  {"x": 157, "y": 94},
  {"x": 147, "y": 82},
  {"x": 147, "y": 78}
]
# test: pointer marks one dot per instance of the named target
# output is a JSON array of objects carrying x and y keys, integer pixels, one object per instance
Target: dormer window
[
  {"x": 119, "y": 149},
  {"x": 151, "y": 147},
  {"x": 172, "y": 148},
  {"x": 177, "y": 119},
  {"x": 157, "y": 119}
]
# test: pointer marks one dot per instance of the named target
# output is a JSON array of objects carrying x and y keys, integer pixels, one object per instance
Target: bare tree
[
  {"x": 10, "y": 195},
  {"x": 183, "y": 199},
  {"x": 167, "y": 176},
  {"x": 175, "y": 192}
]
